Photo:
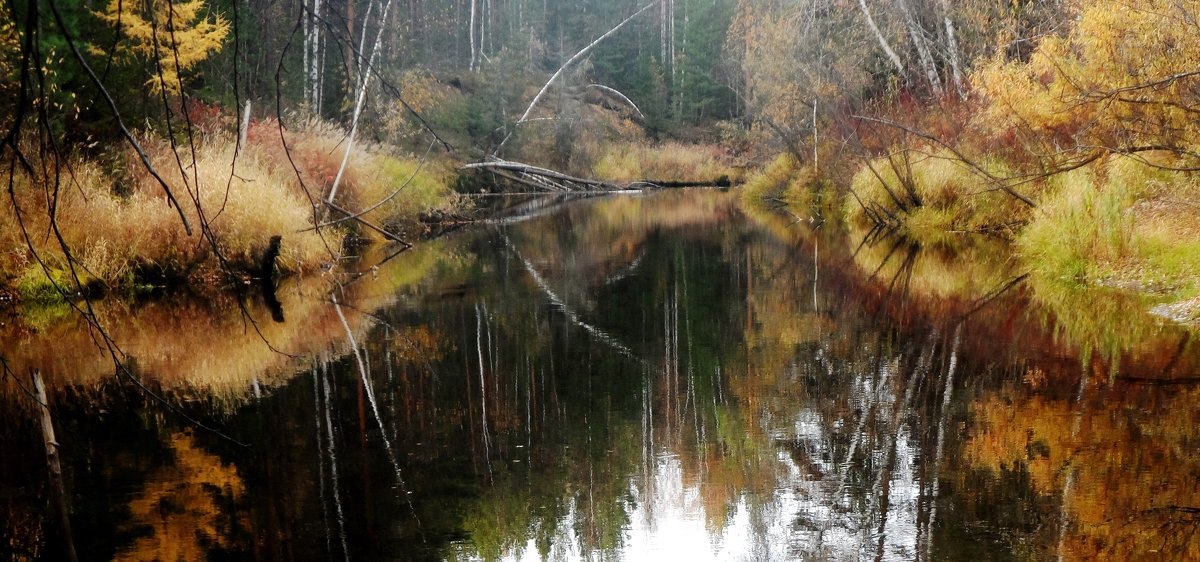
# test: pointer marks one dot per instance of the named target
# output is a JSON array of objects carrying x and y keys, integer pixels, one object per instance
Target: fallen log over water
[{"x": 544, "y": 179}]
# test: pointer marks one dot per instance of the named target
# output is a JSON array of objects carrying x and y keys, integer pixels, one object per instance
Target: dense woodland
[{"x": 1016, "y": 119}]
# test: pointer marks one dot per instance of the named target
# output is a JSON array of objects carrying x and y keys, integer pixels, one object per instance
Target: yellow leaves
[
  {"x": 1114, "y": 469},
  {"x": 171, "y": 36},
  {"x": 185, "y": 506},
  {"x": 1112, "y": 81}
]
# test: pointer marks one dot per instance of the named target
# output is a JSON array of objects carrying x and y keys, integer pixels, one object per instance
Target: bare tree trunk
[
  {"x": 309, "y": 25},
  {"x": 348, "y": 49},
  {"x": 315, "y": 58},
  {"x": 664, "y": 38},
  {"x": 578, "y": 56},
  {"x": 619, "y": 96},
  {"x": 363, "y": 69},
  {"x": 952, "y": 50},
  {"x": 883, "y": 42},
  {"x": 814, "y": 121},
  {"x": 671, "y": 35},
  {"x": 241, "y": 143},
  {"x": 362, "y": 95},
  {"x": 57, "y": 489},
  {"x": 917, "y": 34},
  {"x": 474, "y": 49}
]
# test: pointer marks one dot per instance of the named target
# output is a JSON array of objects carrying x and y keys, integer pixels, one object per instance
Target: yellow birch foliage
[
  {"x": 1125, "y": 78},
  {"x": 10, "y": 56},
  {"x": 173, "y": 36}
]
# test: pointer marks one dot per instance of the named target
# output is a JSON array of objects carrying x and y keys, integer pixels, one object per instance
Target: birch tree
[
  {"x": 917, "y": 34},
  {"x": 883, "y": 42},
  {"x": 952, "y": 49}
]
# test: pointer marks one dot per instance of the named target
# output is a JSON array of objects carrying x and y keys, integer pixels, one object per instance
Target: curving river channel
[{"x": 637, "y": 377}]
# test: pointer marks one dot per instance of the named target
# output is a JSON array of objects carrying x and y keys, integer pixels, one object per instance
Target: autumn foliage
[{"x": 166, "y": 36}]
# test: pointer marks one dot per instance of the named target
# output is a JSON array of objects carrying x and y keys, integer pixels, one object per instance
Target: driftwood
[{"x": 358, "y": 219}]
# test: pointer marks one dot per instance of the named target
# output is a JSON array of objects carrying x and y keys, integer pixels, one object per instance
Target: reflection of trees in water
[
  {"x": 1086, "y": 470},
  {"x": 186, "y": 509},
  {"x": 1119, "y": 460},
  {"x": 775, "y": 402}
]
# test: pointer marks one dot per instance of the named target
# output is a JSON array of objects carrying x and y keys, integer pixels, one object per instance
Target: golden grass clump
[
  {"x": 1078, "y": 224},
  {"x": 953, "y": 195},
  {"x": 670, "y": 161},
  {"x": 261, "y": 200},
  {"x": 118, "y": 223},
  {"x": 771, "y": 181},
  {"x": 372, "y": 174},
  {"x": 107, "y": 233}
]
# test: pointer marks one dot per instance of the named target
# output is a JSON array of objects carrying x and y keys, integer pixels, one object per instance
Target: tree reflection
[{"x": 662, "y": 376}]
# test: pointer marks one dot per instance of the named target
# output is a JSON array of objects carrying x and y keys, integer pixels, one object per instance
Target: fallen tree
[{"x": 550, "y": 181}]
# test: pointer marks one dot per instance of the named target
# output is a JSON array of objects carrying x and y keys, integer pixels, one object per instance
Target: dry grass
[
  {"x": 117, "y": 220},
  {"x": 771, "y": 181},
  {"x": 1124, "y": 224},
  {"x": 672, "y": 161},
  {"x": 954, "y": 196}
]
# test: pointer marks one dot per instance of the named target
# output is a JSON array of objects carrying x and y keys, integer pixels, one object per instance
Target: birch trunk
[
  {"x": 917, "y": 34},
  {"x": 362, "y": 95},
  {"x": 474, "y": 50},
  {"x": 362, "y": 44},
  {"x": 316, "y": 57},
  {"x": 883, "y": 42},
  {"x": 663, "y": 38},
  {"x": 578, "y": 56},
  {"x": 952, "y": 50},
  {"x": 312, "y": 55},
  {"x": 309, "y": 25}
]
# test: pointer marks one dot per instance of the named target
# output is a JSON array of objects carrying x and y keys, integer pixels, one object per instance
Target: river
[{"x": 660, "y": 376}]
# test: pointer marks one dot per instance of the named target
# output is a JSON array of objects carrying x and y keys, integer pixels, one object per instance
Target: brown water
[{"x": 654, "y": 377}]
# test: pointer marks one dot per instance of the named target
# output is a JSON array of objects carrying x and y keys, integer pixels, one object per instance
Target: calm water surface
[{"x": 656, "y": 377}]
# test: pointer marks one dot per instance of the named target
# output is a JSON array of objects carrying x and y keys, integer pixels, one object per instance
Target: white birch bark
[
  {"x": 663, "y": 38},
  {"x": 671, "y": 35},
  {"x": 314, "y": 58},
  {"x": 917, "y": 34},
  {"x": 309, "y": 25},
  {"x": 952, "y": 50},
  {"x": 474, "y": 48},
  {"x": 365, "y": 74},
  {"x": 883, "y": 42},
  {"x": 362, "y": 44}
]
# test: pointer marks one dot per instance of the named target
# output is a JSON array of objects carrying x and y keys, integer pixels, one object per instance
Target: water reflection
[{"x": 643, "y": 377}]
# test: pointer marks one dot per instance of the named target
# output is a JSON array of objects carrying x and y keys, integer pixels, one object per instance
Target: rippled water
[{"x": 640, "y": 377}]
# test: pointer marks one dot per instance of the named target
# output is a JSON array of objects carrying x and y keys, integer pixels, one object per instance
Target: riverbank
[
  {"x": 1118, "y": 227},
  {"x": 116, "y": 230},
  {"x": 124, "y": 237},
  {"x": 1081, "y": 154}
]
